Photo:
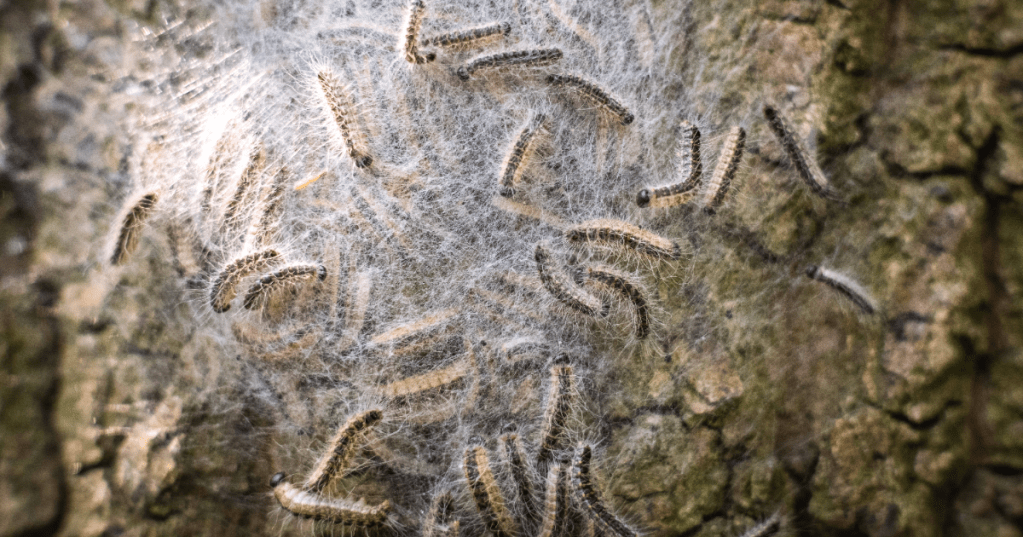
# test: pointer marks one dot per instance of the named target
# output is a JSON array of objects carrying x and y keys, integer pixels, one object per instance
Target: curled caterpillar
[
  {"x": 692, "y": 175},
  {"x": 586, "y": 495},
  {"x": 282, "y": 278},
  {"x": 519, "y": 155},
  {"x": 525, "y": 58},
  {"x": 594, "y": 93},
  {"x": 310, "y": 505},
  {"x": 724, "y": 171},
  {"x": 223, "y": 290},
  {"x": 486, "y": 494},
  {"x": 469, "y": 38},
  {"x": 342, "y": 449},
  {"x": 845, "y": 286},
  {"x": 340, "y": 111},
  {"x": 624, "y": 286},
  {"x": 624, "y": 234},
  {"x": 411, "y": 37},
  {"x": 134, "y": 218},
  {"x": 567, "y": 292},
  {"x": 807, "y": 167}
]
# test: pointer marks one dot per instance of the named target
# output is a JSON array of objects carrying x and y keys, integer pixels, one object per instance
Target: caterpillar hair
[
  {"x": 426, "y": 381},
  {"x": 223, "y": 289},
  {"x": 559, "y": 403},
  {"x": 807, "y": 167},
  {"x": 342, "y": 449},
  {"x": 595, "y": 94},
  {"x": 513, "y": 455},
  {"x": 308, "y": 505},
  {"x": 525, "y": 58},
  {"x": 340, "y": 109},
  {"x": 519, "y": 154},
  {"x": 411, "y": 37},
  {"x": 625, "y": 234},
  {"x": 556, "y": 503},
  {"x": 562, "y": 288},
  {"x": 486, "y": 494},
  {"x": 469, "y": 38},
  {"x": 285, "y": 277},
  {"x": 692, "y": 175},
  {"x": 134, "y": 218},
  {"x": 724, "y": 171},
  {"x": 586, "y": 495},
  {"x": 624, "y": 286},
  {"x": 249, "y": 177},
  {"x": 221, "y": 154},
  {"x": 766, "y": 528},
  {"x": 435, "y": 524},
  {"x": 845, "y": 286}
]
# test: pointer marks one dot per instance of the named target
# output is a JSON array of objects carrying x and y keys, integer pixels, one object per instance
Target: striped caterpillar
[
  {"x": 134, "y": 218},
  {"x": 223, "y": 289},
  {"x": 559, "y": 404},
  {"x": 285, "y": 277},
  {"x": 519, "y": 155},
  {"x": 342, "y": 449},
  {"x": 844, "y": 286},
  {"x": 692, "y": 175},
  {"x": 559, "y": 285},
  {"x": 419, "y": 328},
  {"x": 436, "y": 522},
  {"x": 254, "y": 168},
  {"x": 807, "y": 167},
  {"x": 469, "y": 38},
  {"x": 620, "y": 283},
  {"x": 426, "y": 381},
  {"x": 338, "y": 104},
  {"x": 556, "y": 503},
  {"x": 586, "y": 495},
  {"x": 262, "y": 231},
  {"x": 724, "y": 171},
  {"x": 411, "y": 37},
  {"x": 525, "y": 58},
  {"x": 625, "y": 234},
  {"x": 309, "y": 505},
  {"x": 486, "y": 494},
  {"x": 513, "y": 455},
  {"x": 594, "y": 93}
]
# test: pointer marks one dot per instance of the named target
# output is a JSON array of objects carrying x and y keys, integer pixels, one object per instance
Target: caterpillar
[
  {"x": 724, "y": 171},
  {"x": 337, "y": 103},
  {"x": 359, "y": 289},
  {"x": 807, "y": 167},
  {"x": 469, "y": 38},
  {"x": 513, "y": 455},
  {"x": 311, "y": 180},
  {"x": 426, "y": 381},
  {"x": 435, "y": 523},
  {"x": 594, "y": 93},
  {"x": 620, "y": 283},
  {"x": 270, "y": 284},
  {"x": 221, "y": 154},
  {"x": 519, "y": 155},
  {"x": 557, "y": 284},
  {"x": 844, "y": 286},
  {"x": 411, "y": 37},
  {"x": 134, "y": 218},
  {"x": 586, "y": 495},
  {"x": 249, "y": 177},
  {"x": 486, "y": 494},
  {"x": 408, "y": 331},
  {"x": 692, "y": 175},
  {"x": 528, "y": 58},
  {"x": 273, "y": 198},
  {"x": 559, "y": 400},
  {"x": 528, "y": 211},
  {"x": 556, "y": 503},
  {"x": 523, "y": 349},
  {"x": 223, "y": 289},
  {"x": 625, "y": 234},
  {"x": 342, "y": 449},
  {"x": 766, "y": 528},
  {"x": 308, "y": 505}
]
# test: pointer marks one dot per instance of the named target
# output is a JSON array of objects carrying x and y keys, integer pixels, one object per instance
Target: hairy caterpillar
[
  {"x": 595, "y": 94},
  {"x": 411, "y": 37},
  {"x": 486, "y": 494},
  {"x": 426, "y": 381},
  {"x": 692, "y": 175},
  {"x": 469, "y": 38},
  {"x": 766, "y": 528},
  {"x": 620, "y": 283},
  {"x": 807, "y": 167},
  {"x": 528, "y": 211},
  {"x": 524, "y": 348},
  {"x": 519, "y": 154},
  {"x": 587, "y": 497},
  {"x": 845, "y": 286},
  {"x": 625, "y": 234},
  {"x": 340, "y": 108},
  {"x": 342, "y": 449},
  {"x": 513, "y": 455},
  {"x": 262, "y": 231},
  {"x": 254, "y": 168},
  {"x": 310, "y": 180},
  {"x": 361, "y": 284},
  {"x": 559, "y": 285},
  {"x": 221, "y": 154},
  {"x": 724, "y": 171},
  {"x": 559, "y": 400},
  {"x": 526, "y": 58},
  {"x": 556, "y": 503},
  {"x": 270, "y": 284},
  {"x": 430, "y": 323},
  {"x": 223, "y": 289},
  {"x": 306, "y": 504},
  {"x": 435, "y": 524},
  {"x": 135, "y": 217}
]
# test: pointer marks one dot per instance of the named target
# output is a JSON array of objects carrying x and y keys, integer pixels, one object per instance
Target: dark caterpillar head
[
  {"x": 628, "y": 118},
  {"x": 463, "y": 73},
  {"x": 643, "y": 198},
  {"x": 811, "y": 271},
  {"x": 364, "y": 161}
]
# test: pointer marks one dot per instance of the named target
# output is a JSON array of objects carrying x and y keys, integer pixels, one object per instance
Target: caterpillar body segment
[
  {"x": 223, "y": 289},
  {"x": 519, "y": 155},
  {"x": 436, "y": 524},
  {"x": 845, "y": 286},
  {"x": 426, "y": 381},
  {"x": 629, "y": 290},
  {"x": 692, "y": 175},
  {"x": 342, "y": 448},
  {"x": 619, "y": 233},
  {"x": 135, "y": 216},
  {"x": 472, "y": 37},
  {"x": 522, "y": 58},
  {"x": 594, "y": 93},
  {"x": 560, "y": 396},
  {"x": 513, "y": 455},
  {"x": 283, "y": 278},
  {"x": 486, "y": 494},
  {"x": 725, "y": 170},
  {"x": 557, "y": 504},
  {"x": 307, "y": 504},
  {"x": 340, "y": 110},
  {"x": 410, "y": 40},
  {"x": 563, "y": 288},
  {"x": 809, "y": 171},
  {"x": 588, "y": 498}
]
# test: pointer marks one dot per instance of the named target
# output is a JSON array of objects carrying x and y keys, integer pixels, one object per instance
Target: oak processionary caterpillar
[
  {"x": 435, "y": 524},
  {"x": 342, "y": 449},
  {"x": 526, "y": 58},
  {"x": 513, "y": 455},
  {"x": 257, "y": 161},
  {"x": 556, "y": 503},
  {"x": 594, "y": 93},
  {"x": 724, "y": 171},
  {"x": 625, "y": 234},
  {"x": 127, "y": 240},
  {"x": 557, "y": 284},
  {"x": 807, "y": 167},
  {"x": 845, "y": 286},
  {"x": 620, "y": 283},
  {"x": 270, "y": 284},
  {"x": 486, "y": 493},
  {"x": 587, "y": 497},
  {"x": 469, "y": 38},
  {"x": 559, "y": 404},
  {"x": 411, "y": 37},
  {"x": 692, "y": 175},
  {"x": 520, "y": 152},
  {"x": 310, "y": 505},
  {"x": 223, "y": 290},
  {"x": 340, "y": 110}
]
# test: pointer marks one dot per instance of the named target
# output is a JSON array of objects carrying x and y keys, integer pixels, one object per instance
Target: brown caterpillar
[
  {"x": 586, "y": 495},
  {"x": 436, "y": 522},
  {"x": 134, "y": 218},
  {"x": 555, "y": 414},
  {"x": 528, "y": 211},
  {"x": 807, "y": 167},
  {"x": 223, "y": 291},
  {"x": 625, "y": 234},
  {"x": 620, "y": 283},
  {"x": 469, "y": 38},
  {"x": 519, "y": 155},
  {"x": 263, "y": 230},
  {"x": 411, "y": 37},
  {"x": 513, "y": 455},
  {"x": 221, "y": 154},
  {"x": 567, "y": 292},
  {"x": 486, "y": 494},
  {"x": 285, "y": 277},
  {"x": 342, "y": 449},
  {"x": 359, "y": 290},
  {"x": 766, "y": 528},
  {"x": 309, "y": 505},
  {"x": 341, "y": 111},
  {"x": 594, "y": 93},
  {"x": 426, "y": 381},
  {"x": 692, "y": 175},
  {"x": 845, "y": 286},
  {"x": 257, "y": 161},
  {"x": 526, "y": 58},
  {"x": 426, "y": 325},
  {"x": 556, "y": 503},
  {"x": 724, "y": 171}
]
